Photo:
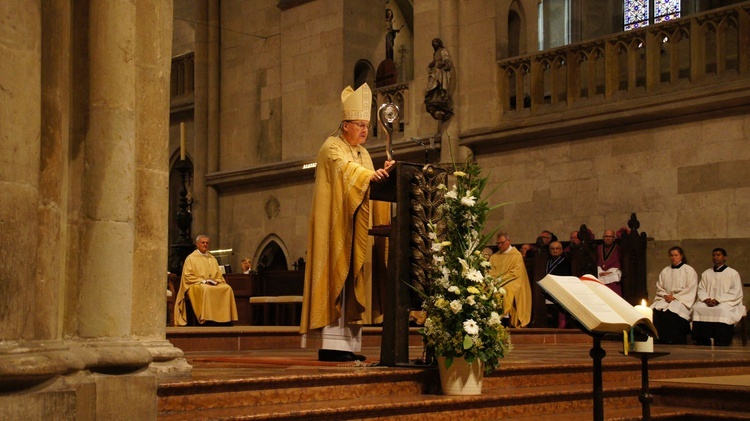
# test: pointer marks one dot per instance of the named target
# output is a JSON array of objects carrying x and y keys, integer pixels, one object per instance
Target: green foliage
[{"x": 464, "y": 304}]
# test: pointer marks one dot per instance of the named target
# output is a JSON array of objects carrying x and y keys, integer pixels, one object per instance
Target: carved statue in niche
[
  {"x": 437, "y": 99},
  {"x": 390, "y": 34}
]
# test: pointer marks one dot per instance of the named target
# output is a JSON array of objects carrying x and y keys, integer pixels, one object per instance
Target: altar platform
[{"x": 259, "y": 373}]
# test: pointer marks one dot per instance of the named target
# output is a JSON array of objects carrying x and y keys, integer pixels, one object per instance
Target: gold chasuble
[
  {"x": 209, "y": 302},
  {"x": 509, "y": 266},
  {"x": 339, "y": 248}
]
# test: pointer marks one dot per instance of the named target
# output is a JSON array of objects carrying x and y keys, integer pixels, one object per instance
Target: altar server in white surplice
[
  {"x": 675, "y": 295},
  {"x": 719, "y": 306}
]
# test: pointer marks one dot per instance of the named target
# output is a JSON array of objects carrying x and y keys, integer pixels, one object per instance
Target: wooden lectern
[{"x": 413, "y": 189}]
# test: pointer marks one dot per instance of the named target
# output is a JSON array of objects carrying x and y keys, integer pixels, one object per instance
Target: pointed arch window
[{"x": 640, "y": 13}]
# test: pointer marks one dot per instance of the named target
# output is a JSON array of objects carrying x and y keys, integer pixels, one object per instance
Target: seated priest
[
  {"x": 507, "y": 264},
  {"x": 210, "y": 296}
]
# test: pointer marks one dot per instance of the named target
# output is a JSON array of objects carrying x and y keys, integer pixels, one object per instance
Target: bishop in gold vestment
[
  {"x": 210, "y": 296},
  {"x": 340, "y": 292}
]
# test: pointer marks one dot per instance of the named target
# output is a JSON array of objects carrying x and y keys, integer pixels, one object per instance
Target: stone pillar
[
  {"x": 150, "y": 232},
  {"x": 20, "y": 71},
  {"x": 212, "y": 153},
  {"x": 200, "y": 120},
  {"x": 82, "y": 297},
  {"x": 206, "y": 124},
  {"x": 449, "y": 28}
]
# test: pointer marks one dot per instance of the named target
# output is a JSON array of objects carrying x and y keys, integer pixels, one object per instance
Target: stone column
[
  {"x": 213, "y": 132},
  {"x": 206, "y": 121},
  {"x": 85, "y": 109},
  {"x": 20, "y": 72},
  {"x": 153, "y": 51}
]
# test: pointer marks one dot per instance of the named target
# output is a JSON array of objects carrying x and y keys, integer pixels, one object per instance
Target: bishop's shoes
[{"x": 339, "y": 356}]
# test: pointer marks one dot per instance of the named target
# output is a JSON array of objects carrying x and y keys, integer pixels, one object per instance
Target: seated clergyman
[
  {"x": 210, "y": 296},
  {"x": 508, "y": 264}
]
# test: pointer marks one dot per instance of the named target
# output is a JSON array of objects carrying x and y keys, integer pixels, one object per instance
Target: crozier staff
[{"x": 341, "y": 290}]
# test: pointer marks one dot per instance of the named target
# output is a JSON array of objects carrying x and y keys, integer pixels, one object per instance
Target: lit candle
[
  {"x": 645, "y": 310},
  {"x": 182, "y": 141},
  {"x": 647, "y": 345}
]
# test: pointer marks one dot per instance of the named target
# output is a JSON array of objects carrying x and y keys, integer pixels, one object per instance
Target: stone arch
[
  {"x": 727, "y": 47},
  {"x": 510, "y": 30},
  {"x": 364, "y": 72},
  {"x": 516, "y": 38},
  {"x": 272, "y": 254}
]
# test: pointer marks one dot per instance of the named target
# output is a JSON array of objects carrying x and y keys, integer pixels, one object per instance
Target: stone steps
[
  {"x": 532, "y": 403},
  {"x": 520, "y": 393},
  {"x": 635, "y": 414},
  {"x": 492, "y": 404}
]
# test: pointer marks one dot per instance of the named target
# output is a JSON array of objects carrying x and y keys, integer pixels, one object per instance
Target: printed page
[
  {"x": 622, "y": 307},
  {"x": 578, "y": 297}
]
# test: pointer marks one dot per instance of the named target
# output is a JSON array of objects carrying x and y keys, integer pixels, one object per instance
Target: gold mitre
[{"x": 356, "y": 104}]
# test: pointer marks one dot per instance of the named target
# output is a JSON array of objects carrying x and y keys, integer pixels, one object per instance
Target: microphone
[{"x": 426, "y": 151}]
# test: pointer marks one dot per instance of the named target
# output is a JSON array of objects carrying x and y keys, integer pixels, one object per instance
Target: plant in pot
[{"x": 464, "y": 304}]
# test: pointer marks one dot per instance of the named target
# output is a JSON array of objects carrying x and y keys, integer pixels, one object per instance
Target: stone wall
[
  {"x": 282, "y": 73},
  {"x": 248, "y": 218},
  {"x": 686, "y": 182},
  {"x": 281, "y": 78}
]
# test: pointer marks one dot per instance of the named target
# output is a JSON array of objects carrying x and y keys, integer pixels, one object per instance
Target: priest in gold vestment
[
  {"x": 508, "y": 265},
  {"x": 341, "y": 293},
  {"x": 211, "y": 297}
]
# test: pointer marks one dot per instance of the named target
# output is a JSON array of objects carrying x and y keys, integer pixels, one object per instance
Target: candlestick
[{"x": 182, "y": 141}]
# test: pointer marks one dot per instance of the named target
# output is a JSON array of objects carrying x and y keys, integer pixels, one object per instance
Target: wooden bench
[{"x": 279, "y": 297}]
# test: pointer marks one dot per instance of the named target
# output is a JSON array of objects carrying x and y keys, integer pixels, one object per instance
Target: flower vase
[{"x": 461, "y": 378}]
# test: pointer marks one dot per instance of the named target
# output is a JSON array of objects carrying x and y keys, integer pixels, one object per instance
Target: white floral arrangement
[{"x": 464, "y": 303}]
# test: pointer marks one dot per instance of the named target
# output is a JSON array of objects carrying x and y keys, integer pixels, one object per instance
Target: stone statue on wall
[
  {"x": 390, "y": 34},
  {"x": 437, "y": 98}
]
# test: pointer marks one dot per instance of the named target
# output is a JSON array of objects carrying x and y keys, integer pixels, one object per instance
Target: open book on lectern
[{"x": 598, "y": 308}]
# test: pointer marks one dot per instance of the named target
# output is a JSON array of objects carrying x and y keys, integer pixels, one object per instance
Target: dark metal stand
[
  {"x": 597, "y": 353},
  {"x": 645, "y": 397}
]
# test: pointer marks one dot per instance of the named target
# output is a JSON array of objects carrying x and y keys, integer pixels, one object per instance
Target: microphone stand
[{"x": 426, "y": 151}]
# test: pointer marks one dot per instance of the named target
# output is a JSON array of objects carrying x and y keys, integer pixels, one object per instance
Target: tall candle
[
  {"x": 182, "y": 141},
  {"x": 647, "y": 345},
  {"x": 645, "y": 310}
]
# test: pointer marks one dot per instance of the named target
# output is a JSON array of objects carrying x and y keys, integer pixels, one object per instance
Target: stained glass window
[
  {"x": 638, "y": 12},
  {"x": 665, "y": 10}
]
